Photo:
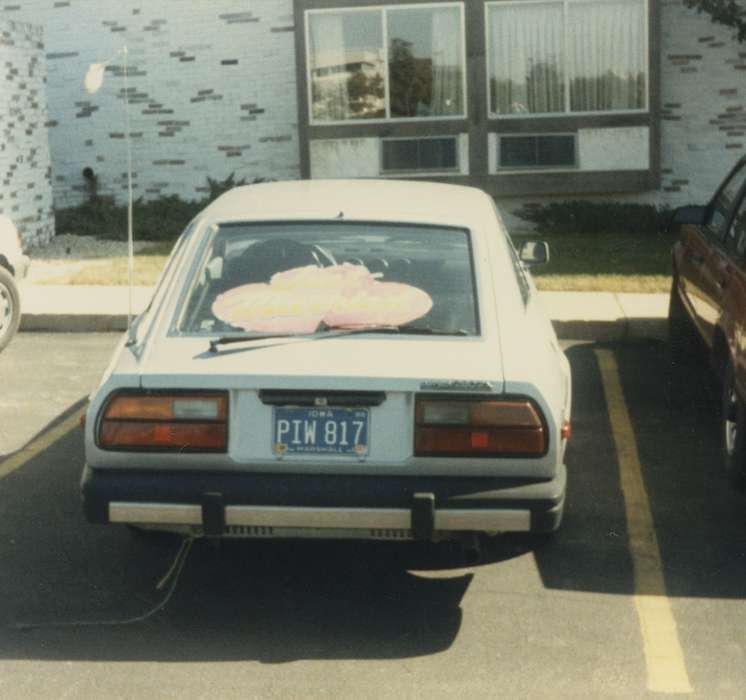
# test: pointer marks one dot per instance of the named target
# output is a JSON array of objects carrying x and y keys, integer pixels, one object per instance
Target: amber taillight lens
[
  {"x": 478, "y": 428},
  {"x": 179, "y": 422}
]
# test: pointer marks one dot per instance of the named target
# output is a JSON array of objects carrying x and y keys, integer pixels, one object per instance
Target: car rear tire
[
  {"x": 10, "y": 308},
  {"x": 734, "y": 430},
  {"x": 681, "y": 333}
]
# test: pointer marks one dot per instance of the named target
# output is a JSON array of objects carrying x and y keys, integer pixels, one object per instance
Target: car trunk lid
[{"x": 340, "y": 400}]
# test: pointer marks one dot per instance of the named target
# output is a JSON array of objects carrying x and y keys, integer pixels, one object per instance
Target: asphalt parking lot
[{"x": 641, "y": 592}]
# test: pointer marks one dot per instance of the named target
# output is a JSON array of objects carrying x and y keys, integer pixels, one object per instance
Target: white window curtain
[
  {"x": 447, "y": 89},
  {"x": 607, "y": 55},
  {"x": 526, "y": 58},
  {"x": 330, "y": 99}
]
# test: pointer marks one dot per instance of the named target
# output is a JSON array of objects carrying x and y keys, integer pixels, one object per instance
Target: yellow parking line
[
  {"x": 663, "y": 655},
  {"x": 40, "y": 444}
]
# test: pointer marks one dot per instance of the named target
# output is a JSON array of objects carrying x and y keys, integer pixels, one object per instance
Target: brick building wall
[
  {"x": 703, "y": 105},
  {"x": 211, "y": 92},
  {"x": 25, "y": 173}
]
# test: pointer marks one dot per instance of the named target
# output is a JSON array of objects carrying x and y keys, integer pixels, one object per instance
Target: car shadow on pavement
[
  {"x": 271, "y": 601},
  {"x": 699, "y": 521}
]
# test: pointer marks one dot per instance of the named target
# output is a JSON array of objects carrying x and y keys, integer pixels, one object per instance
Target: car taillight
[
  {"x": 179, "y": 422},
  {"x": 478, "y": 428}
]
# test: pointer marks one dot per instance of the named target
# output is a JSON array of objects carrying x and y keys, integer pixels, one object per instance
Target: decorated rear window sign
[{"x": 303, "y": 299}]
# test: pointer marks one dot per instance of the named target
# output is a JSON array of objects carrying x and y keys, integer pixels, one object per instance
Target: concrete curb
[
  {"x": 603, "y": 331},
  {"x": 600, "y": 316},
  {"x": 616, "y": 330}
]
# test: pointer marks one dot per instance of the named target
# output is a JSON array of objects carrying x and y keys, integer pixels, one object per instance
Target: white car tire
[{"x": 10, "y": 307}]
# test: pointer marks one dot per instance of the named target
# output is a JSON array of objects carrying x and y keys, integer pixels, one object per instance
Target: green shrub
[
  {"x": 596, "y": 217},
  {"x": 160, "y": 219}
]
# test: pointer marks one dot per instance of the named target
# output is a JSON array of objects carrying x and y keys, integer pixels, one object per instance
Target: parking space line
[
  {"x": 41, "y": 443},
  {"x": 663, "y": 654}
]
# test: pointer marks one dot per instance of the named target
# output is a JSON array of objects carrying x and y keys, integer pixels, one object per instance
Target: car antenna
[{"x": 94, "y": 79}]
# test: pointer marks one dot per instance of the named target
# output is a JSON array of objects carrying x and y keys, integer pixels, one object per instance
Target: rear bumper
[{"x": 298, "y": 505}]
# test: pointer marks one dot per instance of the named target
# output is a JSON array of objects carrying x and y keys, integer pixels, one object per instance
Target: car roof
[{"x": 360, "y": 199}]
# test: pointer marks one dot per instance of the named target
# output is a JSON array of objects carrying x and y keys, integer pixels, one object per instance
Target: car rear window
[{"x": 308, "y": 277}]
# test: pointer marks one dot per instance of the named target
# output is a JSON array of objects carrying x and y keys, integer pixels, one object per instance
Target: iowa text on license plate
[{"x": 320, "y": 430}]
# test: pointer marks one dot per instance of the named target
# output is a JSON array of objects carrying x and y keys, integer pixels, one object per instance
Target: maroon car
[{"x": 708, "y": 301}]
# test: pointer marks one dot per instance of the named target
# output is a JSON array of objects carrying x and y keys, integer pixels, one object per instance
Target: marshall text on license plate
[{"x": 339, "y": 431}]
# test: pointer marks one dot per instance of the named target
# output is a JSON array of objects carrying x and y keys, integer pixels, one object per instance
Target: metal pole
[{"x": 130, "y": 237}]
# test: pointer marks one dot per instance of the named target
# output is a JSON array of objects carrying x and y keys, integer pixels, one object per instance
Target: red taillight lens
[
  {"x": 193, "y": 422},
  {"x": 478, "y": 428}
]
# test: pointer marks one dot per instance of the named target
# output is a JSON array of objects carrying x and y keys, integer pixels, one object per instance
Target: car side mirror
[
  {"x": 696, "y": 215},
  {"x": 534, "y": 253}
]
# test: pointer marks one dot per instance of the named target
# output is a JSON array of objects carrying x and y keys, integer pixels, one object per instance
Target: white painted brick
[
  {"x": 694, "y": 156},
  {"x": 25, "y": 190}
]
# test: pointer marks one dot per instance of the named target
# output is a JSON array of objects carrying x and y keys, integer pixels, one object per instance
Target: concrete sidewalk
[{"x": 575, "y": 315}]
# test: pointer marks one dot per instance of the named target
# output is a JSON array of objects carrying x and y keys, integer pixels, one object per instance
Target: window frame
[
  {"x": 383, "y": 10},
  {"x": 500, "y": 169},
  {"x": 456, "y": 169},
  {"x": 567, "y": 112},
  {"x": 212, "y": 229}
]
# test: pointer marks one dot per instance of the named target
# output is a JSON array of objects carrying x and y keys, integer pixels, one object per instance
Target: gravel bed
[{"x": 68, "y": 246}]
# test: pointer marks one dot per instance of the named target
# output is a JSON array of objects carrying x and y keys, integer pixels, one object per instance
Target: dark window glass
[
  {"x": 347, "y": 63},
  {"x": 305, "y": 277},
  {"x": 739, "y": 228},
  {"x": 725, "y": 200},
  {"x": 419, "y": 154},
  {"x": 537, "y": 151},
  {"x": 425, "y": 62}
]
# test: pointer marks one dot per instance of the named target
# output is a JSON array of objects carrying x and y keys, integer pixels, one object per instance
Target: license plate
[{"x": 338, "y": 431}]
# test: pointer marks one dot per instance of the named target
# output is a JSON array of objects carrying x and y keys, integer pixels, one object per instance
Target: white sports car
[{"x": 362, "y": 359}]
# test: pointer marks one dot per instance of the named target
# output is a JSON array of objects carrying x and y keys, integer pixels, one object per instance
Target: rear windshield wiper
[
  {"x": 337, "y": 332},
  {"x": 333, "y": 333},
  {"x": 431, "y": 330}
]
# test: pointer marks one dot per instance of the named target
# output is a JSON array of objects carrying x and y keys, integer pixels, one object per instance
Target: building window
[
  {"x": 537, "y": 151},
  {"x": 423, "y": 154},
  {"x": 398, "y": 62},
  {"x": 567, "y": 56}
]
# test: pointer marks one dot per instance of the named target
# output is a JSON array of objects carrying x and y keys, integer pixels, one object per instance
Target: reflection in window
[
  {"x": 725, "y": 200},
  {"x": 567, "y": 56},
  {"x": 538, "y": 151},
  {"x": 346, "y": 66},
  {"x": 526, "y": 59},
  {"x": 298, "y": 277},
  {"x": 739, "y": 227},
  {"x": 425, "y": 71},
  {"x": 347, "y": 63},
  {"x": 430, "y": 154},
  {"x": 607, "y": 57}
]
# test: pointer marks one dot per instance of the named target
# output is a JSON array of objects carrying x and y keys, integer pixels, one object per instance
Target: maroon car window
[
  {"x": 725, "y": 200},
  {"x": 738, "y": 228}
]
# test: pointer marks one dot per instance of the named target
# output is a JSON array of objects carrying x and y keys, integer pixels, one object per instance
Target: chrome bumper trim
[
  {"x": 446, "y": 520},
  {"x": 155, "y": 513}
]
